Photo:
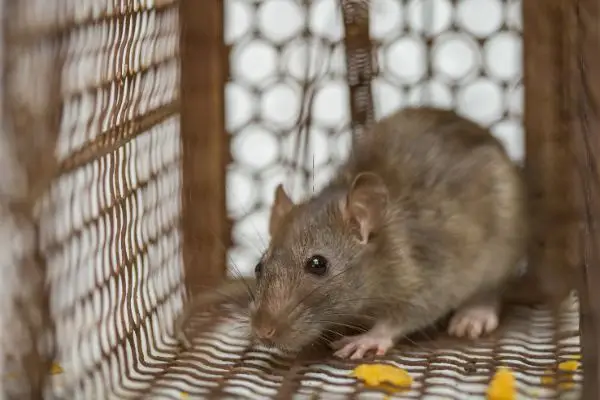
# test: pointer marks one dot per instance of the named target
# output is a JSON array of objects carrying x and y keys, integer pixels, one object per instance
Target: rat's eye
[
  {"x": 258, "y": 269},
  {"x": 316, "y": 265}
]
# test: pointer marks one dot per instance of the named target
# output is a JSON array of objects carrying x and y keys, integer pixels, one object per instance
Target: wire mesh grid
[
  {"x": 109, "y": 225},
  {"x": 223, "y": 364},
  {"x": 113, "y": 242}
]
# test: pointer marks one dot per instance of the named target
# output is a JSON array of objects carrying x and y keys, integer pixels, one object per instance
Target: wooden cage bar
[
  {"x": 562, "y": 95},
  {"x": 206, "y": 230},
  {"x": 548, "y": 154},
  {"x": 583, "y": 82},
  {"x": 29, "y": 136}
]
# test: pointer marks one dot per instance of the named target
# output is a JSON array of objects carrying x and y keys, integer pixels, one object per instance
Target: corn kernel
[
  {"x": 377, "y": 374},
  {"x": 502, "y": 386},
  {"x": 56, "y": 369}
]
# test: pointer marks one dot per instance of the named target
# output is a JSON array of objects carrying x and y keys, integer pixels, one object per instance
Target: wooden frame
[
  {"x": 562, "y": 100},
  {"x": 583, "y": 81},
  {"x": 206, "y": 231},
  {"x": 30, "y": 132},
  {"x": 547, "y": 145}
]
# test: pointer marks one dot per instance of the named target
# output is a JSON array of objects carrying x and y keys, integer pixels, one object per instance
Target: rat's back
[
  {"x": 421, "y": 147},
  {"x": 433, "y": 157},
  {"x": 456, "y": 221}
]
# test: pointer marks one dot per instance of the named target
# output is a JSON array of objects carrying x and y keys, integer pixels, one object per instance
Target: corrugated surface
[{"x": 223, "y": 364}]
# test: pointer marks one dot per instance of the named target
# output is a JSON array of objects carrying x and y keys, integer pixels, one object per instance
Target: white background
[{"x": 476, "y": 63}]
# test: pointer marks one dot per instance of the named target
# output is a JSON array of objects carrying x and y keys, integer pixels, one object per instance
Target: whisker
[
  {"x": 332, "y": 332},
  {"x": 261, "y": 238},
  {"x": 324, "y": 340},
  {"x": 231, "y": 298},
  {"x": 360, "y": 316},
  {"x": 238, "y": 274},
  {"x": 321, "y": 286},
  {"x": 361, "y": 330},
  {"x": 235, "y": 269},
  {"x": 351, "y": 326},
  {"x": 248, "y": 288}
]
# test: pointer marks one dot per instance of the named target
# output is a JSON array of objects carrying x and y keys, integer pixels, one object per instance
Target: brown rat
[{"x": 426, "y": 217}]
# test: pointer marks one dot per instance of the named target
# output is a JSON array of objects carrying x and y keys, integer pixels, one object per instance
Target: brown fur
[
  {"x": 452, "y": 226},
  {"x": 427, "y": 213}
]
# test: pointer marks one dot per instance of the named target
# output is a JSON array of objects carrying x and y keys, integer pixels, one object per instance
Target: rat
[{"x": 425, "y": 219}]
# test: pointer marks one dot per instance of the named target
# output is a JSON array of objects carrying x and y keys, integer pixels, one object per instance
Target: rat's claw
[
  {"x": 355, "y": 347},
  {"x": 345, "y": 351},
  {"x": 473, "y": 321}
]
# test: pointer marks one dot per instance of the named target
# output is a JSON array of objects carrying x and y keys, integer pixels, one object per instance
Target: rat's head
[{"x": 313, "y": 276}]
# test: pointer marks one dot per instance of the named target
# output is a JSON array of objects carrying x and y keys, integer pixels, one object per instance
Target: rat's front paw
[
  {"x": 474, "y": 321},
  {"x": 355, "y": 347}
]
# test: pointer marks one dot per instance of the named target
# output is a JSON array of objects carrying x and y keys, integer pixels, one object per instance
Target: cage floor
[{"x": 531, "y": 342}]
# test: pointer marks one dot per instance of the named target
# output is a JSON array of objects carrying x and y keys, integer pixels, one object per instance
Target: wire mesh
[
  {"x": 108, "y": 226},
  {"x": 222, "y": 364}
]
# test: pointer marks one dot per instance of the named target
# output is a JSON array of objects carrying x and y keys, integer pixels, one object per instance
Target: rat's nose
[{"x": 265, "y": 332}]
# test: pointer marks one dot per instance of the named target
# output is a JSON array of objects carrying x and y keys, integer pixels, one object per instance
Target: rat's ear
[
  {"x": 366, "y": 203},
  {"x": 281, "y": 206}
]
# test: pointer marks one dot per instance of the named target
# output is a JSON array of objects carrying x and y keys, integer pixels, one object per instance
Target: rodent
[{"x": 426, "y": 217}]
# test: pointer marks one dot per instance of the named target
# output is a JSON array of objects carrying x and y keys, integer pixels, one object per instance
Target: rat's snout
[
  {"x": 264, "y": 332},
  {"x": 266, "y": 324}
]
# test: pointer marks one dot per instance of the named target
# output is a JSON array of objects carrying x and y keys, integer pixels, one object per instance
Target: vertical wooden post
[
  {"x": 583, "y": 33},
  {"x": 548, "y": 162},
  {"x": 562, "y": 118},
  {"x": 30, "y": 112},
  {"x": 204, "y": 142}
]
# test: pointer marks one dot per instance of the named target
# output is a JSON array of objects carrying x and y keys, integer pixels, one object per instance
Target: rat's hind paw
[
  {"x": 355, "y": 347},
  {"x": 474, "y": 321}
]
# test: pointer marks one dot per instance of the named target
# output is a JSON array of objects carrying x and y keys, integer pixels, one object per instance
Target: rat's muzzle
[
  {"x": 265, "y": 332},
  {"x": 265, "y": 327}
]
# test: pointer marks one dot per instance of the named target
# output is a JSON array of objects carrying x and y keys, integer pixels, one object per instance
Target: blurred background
[{"x": 465, "y": 56}]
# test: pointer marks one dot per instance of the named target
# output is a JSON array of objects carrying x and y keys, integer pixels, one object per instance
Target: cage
[{"x": 142, "y": 139}]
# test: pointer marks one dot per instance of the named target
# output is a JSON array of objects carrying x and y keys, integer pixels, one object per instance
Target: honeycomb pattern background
[{"x": 461, "y": 54}]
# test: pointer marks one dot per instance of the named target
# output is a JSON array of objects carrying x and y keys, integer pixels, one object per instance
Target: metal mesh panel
[
  {"x": 110, "y": 222},
  {"x": 223, "y": 365}
]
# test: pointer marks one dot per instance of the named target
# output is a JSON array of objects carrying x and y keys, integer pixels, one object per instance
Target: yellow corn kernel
[
  {"x": 570, "y": 365},
  {"x": 56, "y": 369},
  {"x": 381, "y": 374},
  {"x": 565, "y": 366},
  {"x": 502, "y": 386}
]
